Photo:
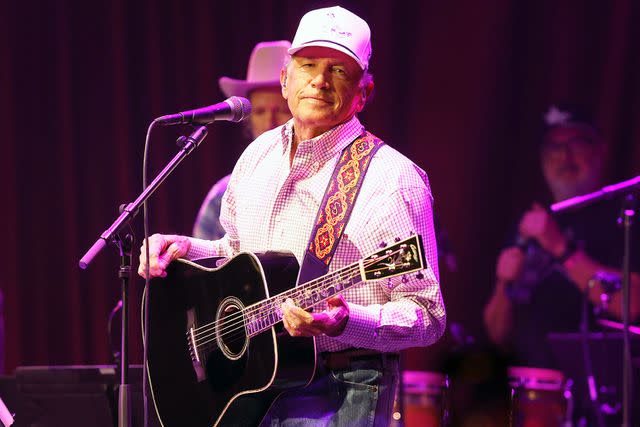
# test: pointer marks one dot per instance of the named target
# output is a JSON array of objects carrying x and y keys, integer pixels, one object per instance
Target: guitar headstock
[{"x": 402, "y": 257}]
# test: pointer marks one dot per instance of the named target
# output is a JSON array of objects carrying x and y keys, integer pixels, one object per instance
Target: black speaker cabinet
[{"x": 70, "y": 396}]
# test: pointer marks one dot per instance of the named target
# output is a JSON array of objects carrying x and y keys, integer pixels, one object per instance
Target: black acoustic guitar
[{"x": 218, "y": 353}]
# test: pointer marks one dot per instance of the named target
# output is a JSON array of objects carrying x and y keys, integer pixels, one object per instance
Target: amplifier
[{"x": 52, "y": 396}]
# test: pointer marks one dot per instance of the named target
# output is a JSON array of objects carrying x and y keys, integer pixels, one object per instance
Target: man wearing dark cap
[
  {"x": 290, "y": 190},
  {"x": 542, "y": 278}
]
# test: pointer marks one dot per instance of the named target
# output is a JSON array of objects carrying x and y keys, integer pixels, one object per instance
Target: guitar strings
[
  {"x": 234, "y": 335},
  {"x": 267, "y": 308},
  {"x": 239, "y": 332},
  {"x": 269, "y": 304},
  {"x": 309, "y": 286},
  {"x": 272, "y": 301},
  {"x": 230, "y": 323}
]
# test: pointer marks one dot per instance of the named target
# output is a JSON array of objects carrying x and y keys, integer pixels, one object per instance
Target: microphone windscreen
[{"x": 240, "y": 107}]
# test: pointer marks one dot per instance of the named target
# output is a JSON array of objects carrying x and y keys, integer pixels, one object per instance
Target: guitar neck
[
  {"x": 267, "y": 313},
  {"x": 394, "y": 260}
]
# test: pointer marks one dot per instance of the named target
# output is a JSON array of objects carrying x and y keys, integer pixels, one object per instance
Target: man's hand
[
  {"x": 509, "y": 265},
  {"x": 162, "y": 250},
  {"x": 539, "y": 225},
  {"x": 331, "y": 322}
]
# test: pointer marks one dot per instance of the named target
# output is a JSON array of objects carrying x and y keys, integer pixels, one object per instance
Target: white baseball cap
[
  {"x": 335, "y": 28},
  {"x": 263, "y": 70}
]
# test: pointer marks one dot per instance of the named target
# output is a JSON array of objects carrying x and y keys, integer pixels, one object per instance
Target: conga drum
[
  {"x": 537, "y": 397},
  {"x": 423, "y": 400}
]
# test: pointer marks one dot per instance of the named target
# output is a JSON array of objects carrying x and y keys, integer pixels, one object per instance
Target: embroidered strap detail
[{"x": 339, "y": 198}]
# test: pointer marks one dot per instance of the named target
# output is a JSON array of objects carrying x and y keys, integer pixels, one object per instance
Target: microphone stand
[
  {"x": 627, "y": 213},
  {"x": 588, "y": 363},
  {"x": 111, "y": 235},
  {"x": 626, "y": 218},
  {"x": 124, "y": 396}
]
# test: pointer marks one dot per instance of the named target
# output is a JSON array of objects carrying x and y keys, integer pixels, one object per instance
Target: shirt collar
[{"x": 327, "y": 145}]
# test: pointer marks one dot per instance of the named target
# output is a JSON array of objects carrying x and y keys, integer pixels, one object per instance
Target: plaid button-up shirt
[{"x": 271, "y": 203}]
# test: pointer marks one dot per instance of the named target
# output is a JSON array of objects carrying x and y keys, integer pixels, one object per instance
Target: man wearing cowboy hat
[
  {"x": 268, "y": 110},
  {"x": 277, "y": 190}
]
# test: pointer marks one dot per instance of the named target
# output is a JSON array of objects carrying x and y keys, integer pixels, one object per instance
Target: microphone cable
[{"x": 145, "y": 304}]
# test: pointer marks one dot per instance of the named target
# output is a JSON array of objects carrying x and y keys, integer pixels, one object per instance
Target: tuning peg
[
  {"x": 419, "y": 276},
  {"x": 404, "y": 279},
  {"x": 389, "y": 284},
  {"x": 383, "y": 244},
  {"x": 397, "y": 239}
]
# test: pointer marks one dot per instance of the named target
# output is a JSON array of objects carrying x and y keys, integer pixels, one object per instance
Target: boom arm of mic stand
[
  {"x": 131, "y": 210},
  {"x": 604, "y": 193}
]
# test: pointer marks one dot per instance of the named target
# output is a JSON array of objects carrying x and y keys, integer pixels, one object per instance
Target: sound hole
[{"x": 230, "y": 328}]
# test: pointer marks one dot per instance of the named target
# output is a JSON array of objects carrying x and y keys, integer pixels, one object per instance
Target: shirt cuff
[
  {"x": 362, "y": 325},
  {"x": 200, "y": 248}
]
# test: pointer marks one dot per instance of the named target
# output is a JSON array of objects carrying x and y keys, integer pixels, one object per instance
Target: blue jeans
[{"x": 358, "y": 396}]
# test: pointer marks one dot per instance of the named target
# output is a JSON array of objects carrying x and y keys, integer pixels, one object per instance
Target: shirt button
[{"x": 315, "y": 166}]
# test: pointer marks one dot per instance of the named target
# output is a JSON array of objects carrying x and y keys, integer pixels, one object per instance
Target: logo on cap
[{"x": 334, "y": 28}]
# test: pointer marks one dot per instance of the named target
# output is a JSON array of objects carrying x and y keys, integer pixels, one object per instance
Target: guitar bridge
[
  {"x": 193, "y": 349},
  {"x": 196, "y": 358}
]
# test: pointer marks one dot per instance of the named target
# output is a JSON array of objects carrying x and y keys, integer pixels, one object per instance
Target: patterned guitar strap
[{"x": 337, "y": 204}]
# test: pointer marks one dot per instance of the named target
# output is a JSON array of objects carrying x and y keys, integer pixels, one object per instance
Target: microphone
[{"x": 234, "y": 109}]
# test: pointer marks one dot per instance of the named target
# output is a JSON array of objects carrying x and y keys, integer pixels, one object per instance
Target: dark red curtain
[{"x": 460, "y": 88}]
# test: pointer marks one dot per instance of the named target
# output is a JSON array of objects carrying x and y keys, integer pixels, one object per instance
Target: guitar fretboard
[{"x": 265, "y": 314}]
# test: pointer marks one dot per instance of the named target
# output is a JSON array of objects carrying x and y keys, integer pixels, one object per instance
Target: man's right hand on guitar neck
[
  {"x": 330, "y": 322},
  {"x": 163, "y": 248}
]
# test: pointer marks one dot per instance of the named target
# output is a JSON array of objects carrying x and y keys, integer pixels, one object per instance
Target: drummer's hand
[
  {"x": 538, "y": 224},
  {"x": 331, "y": 322},
  {"x": 510, "y": 263},
  {"x": 162, "y": 250}
]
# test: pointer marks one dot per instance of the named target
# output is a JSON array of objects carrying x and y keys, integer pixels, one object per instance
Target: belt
[{"x": 342, "y": 359}]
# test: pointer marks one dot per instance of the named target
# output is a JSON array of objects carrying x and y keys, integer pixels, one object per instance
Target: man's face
[
  {"x": 322, "y": 87},
  {"x": 572, "y": 160},
  {"x": 268, "y": 110}
]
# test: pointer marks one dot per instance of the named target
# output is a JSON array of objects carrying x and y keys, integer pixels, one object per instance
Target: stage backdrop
[{"x": 460, "y": 88}]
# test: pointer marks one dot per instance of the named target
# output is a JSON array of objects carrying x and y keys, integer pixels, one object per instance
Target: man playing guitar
[{"x": 286, "y": 192}]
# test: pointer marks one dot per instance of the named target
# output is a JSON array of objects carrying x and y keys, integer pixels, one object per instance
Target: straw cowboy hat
[{"x": 263, "y": 70}]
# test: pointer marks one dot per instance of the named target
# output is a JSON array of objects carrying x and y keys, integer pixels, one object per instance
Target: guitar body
[{"x": 230, "y": 379}]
